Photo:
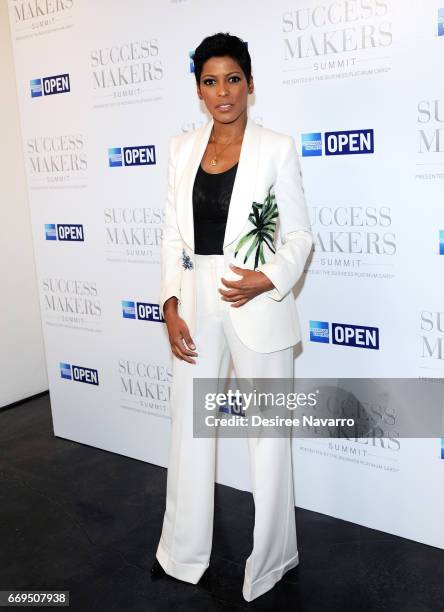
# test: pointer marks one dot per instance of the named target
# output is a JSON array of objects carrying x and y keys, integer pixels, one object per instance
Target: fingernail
[{"x": 192, "y": 346}]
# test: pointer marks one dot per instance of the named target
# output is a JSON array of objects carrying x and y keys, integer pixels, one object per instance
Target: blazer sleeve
[
  {"x": 287, "y": 265},
  {"x": 171, "y": 245}
]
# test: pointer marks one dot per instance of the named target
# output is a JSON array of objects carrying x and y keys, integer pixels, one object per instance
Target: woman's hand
[
  {"x": 178, "y": 332},
  {"x": 252, "y": 283}
]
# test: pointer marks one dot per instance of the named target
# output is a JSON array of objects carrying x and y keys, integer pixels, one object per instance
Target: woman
[{"x": 226, "y": 291}]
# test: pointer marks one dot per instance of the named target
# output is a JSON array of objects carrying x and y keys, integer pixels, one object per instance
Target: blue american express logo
[
  {"x": 144, "y": 155},
  {"x": 48, "y": 86},
  {"x": 36, "y": 88},
  {"x": 128, "y": 309},
  {"x": 319, "y": 331},
  {"x": 65, "y": 371},
  {"x": 311, "y": 144},
  {"x": 72, "y": 232},
  {"x": 79, "y": 374},
  {"x": 142, "y": 311},
  {"x": 441, "y": 22},
  {"x": 360, "y": 336},
  {"x": 190, "y": 57},
  {"x": 441, "y": 242},
  {"x": 345, "y": 142}
]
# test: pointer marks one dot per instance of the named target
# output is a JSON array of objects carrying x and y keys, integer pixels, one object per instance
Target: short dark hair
[{"x": 218, "y": 45}]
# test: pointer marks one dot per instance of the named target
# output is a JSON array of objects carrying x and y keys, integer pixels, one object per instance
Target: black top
[{"x": 211, "y": 201}]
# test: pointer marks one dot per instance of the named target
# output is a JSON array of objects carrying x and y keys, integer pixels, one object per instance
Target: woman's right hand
[{"x": 178, "y": 332}]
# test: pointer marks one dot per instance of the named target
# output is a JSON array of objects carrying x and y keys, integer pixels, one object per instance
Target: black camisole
[{"x": 211, "y": 201}]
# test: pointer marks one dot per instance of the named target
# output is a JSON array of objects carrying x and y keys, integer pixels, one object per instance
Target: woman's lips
[{"x": 224, "y": 107}]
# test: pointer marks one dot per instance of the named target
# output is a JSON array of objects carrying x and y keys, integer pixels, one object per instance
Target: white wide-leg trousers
[{"x": 185, "y": 543}]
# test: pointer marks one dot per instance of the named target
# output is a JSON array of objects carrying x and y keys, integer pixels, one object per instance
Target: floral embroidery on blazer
[
  {"x": 263, "y": 217},
  {"x": 187, "y": 264}
]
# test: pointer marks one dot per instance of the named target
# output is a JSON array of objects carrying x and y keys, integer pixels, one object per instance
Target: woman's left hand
[{"x": 252, "y": 283}]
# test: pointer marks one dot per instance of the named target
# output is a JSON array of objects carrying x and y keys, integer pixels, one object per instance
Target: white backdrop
[{"x": 319, "y": 66}]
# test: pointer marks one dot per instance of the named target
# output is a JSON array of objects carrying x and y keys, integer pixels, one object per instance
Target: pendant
[{"x": 213, "y": 161}]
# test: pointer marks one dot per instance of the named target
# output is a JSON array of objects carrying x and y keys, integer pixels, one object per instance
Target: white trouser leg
[
  {"x": 274, "y": 537},
  {"x": 185, "y": 544}
]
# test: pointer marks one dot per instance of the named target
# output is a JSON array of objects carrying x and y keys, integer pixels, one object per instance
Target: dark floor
[{"x": 76, "y": 518}]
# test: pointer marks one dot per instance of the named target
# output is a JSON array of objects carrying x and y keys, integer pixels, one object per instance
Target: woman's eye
[{"x": 231, "y": 79}]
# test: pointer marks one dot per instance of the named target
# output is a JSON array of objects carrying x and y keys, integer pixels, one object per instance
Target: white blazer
[{"x": 267, "y": 229}]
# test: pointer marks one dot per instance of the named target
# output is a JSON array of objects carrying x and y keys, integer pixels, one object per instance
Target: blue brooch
[{"x": 187, "y": 264}]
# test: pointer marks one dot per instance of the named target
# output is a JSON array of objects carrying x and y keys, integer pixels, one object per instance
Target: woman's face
[{"x": 224, "y": 88}]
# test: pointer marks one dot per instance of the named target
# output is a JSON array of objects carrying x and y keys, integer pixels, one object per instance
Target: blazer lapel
[
  {"x": 243, "y": 188},
  {"x": 244, "y": 184}
]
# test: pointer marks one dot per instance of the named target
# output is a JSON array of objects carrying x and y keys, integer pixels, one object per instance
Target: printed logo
[
  {"x": 355, "y": 335},
  {"x": 441, "y": 22},
  {"x": 432, "y": 337},
  {"x": 147, "y": 384},
  {"x": 132, "y": 156},
  {"x": 71, "y": 232},
  {"x": 442, "y": 448},
  {"x": 345, "y": 142},
  {"x": 311, "y": 144},
  {"x": 321, "y": 42},
  {"x": 134, "y": 234},
  {"x": 79, "y": 374},
  {"x": 72, "y": 302},
  {"x": 360, "y": 336},
  {"x": 36, "y": 88},
  {"x": 125, "y": 64},
  {"x": 319, "y": 331},
  {"x": 48, "y": 86},
  {"x": 41, "y": 17},
  {"x": 55, "y": 159},
  {"x": 65, "y": 371},
  {"x": 350, "y": 142},
  {"x": 142, "y": 311},
  {"x": 232, "y": 407},
  {"x": 441, "y": 242}
]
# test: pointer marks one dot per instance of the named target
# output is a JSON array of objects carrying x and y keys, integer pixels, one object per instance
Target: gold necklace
[{"x": 213, "y": 161}]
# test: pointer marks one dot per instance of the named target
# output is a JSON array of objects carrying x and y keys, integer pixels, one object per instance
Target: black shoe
[
  {"x": 207, "y": 581},
  {"x": 157, "y": 572}
]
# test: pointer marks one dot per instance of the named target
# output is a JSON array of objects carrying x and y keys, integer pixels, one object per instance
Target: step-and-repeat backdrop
[{"x": 103, "y": 85}]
